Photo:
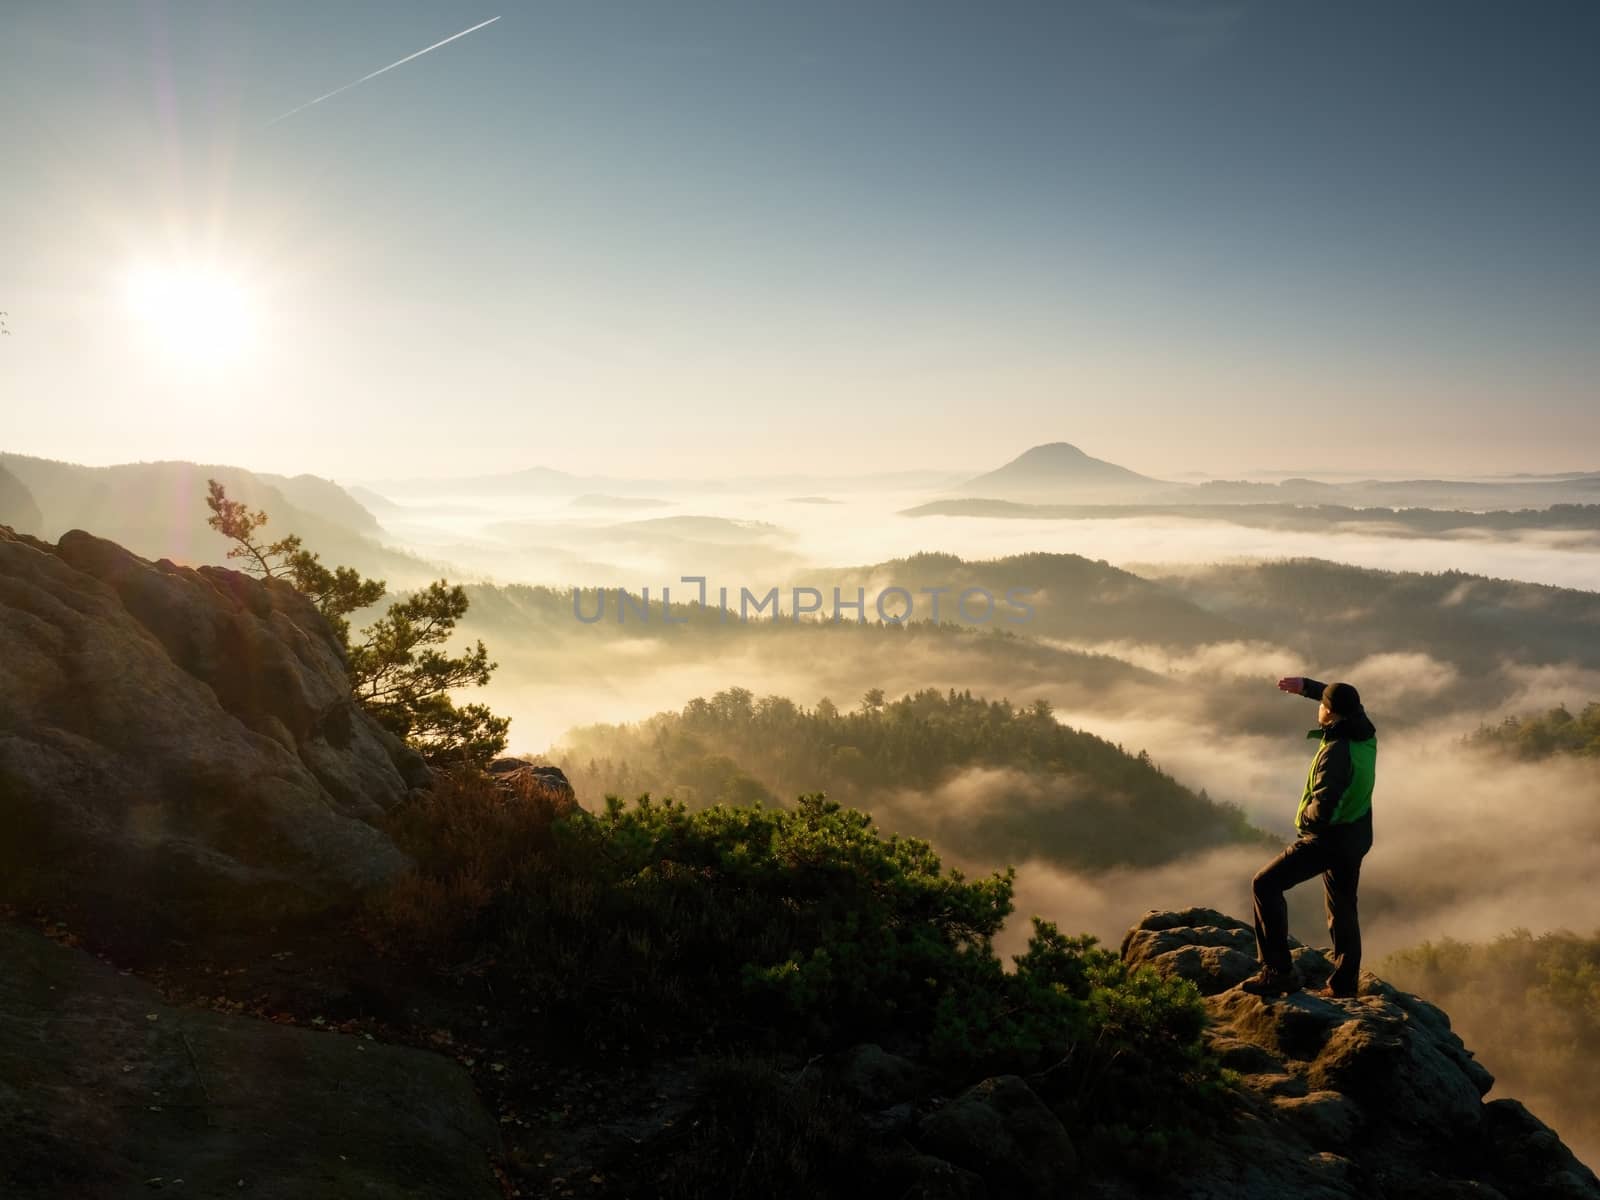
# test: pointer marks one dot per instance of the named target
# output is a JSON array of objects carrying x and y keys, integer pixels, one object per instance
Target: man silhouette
[{"x": 1334, "y": 823}]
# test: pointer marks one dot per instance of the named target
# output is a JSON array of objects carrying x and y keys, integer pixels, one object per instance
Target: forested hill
[
  {"x": 1543, "y": 736},
  {"x": 1068, "y": 596},
  {"x": 979, "y": 778},
  {"x": 1471, "y": 622}
]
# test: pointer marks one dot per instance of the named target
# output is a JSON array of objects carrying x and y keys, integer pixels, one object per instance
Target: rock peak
[{"x": 1366, "y": 1097}]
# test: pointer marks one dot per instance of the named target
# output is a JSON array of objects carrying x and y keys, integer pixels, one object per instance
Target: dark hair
[{"x": 1342, "y": 699}]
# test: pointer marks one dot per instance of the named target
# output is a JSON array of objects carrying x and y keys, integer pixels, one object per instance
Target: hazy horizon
[{"x": 293, "y": 464}]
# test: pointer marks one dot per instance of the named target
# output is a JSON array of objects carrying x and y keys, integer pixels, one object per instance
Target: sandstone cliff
[{"x": 178, "y": 748}]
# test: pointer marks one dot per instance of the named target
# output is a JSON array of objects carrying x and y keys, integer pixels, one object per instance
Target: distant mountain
[
  {"x": 1381, "y": 520},
  {"x": 600, "y": 500},
  {"x": 158, "y": 510},
  {"x": 1548, "y": 475},
  {"x": 325, "y": 499},
  {"x": 548, "y": 481},
  {"x": 17, "y": 507},
  {"x": 373, "y": 502},
  {"x": 1060, "y": 472},
  {"x": 1066, "y": 596},
  {"x": 1466, "y": 494}
]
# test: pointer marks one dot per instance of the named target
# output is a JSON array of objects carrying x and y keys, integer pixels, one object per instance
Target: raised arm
[{"x": 1299, "y": 685}]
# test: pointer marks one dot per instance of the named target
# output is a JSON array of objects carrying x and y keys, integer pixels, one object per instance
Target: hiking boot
[
  {"x": 1267, "y": 982},
  {"x": 1335, "y": 992}
]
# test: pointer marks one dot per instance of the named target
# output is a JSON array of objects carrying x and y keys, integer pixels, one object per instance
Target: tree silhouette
[{"x": 397, "y": 670}]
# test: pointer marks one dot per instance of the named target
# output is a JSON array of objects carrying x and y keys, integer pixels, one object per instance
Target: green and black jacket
[{"x": 1339, "y": 783}]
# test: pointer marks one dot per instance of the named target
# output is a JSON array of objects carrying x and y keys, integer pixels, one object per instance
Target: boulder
[
  {"x": 178, "y": 747},
  {"x": 105, "y": 1091},
  {"x": 518, "y": 777},
  {"x": 1212, "y": 951}
]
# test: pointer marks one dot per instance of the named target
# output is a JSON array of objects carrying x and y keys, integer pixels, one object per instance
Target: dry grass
[{"x": 473, "y": 839}]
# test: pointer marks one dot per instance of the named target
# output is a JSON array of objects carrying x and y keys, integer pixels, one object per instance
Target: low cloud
[
  {"x": 1467, "y": 844},
  {"x": 1214, "y": 660},
  {"x": 1403, "y": 678}
]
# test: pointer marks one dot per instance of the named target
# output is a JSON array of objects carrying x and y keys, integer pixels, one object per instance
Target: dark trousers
[{"x": 1335, "y": 855}]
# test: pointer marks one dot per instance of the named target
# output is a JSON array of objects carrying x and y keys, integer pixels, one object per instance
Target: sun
[{"x": 192, "y": 311}]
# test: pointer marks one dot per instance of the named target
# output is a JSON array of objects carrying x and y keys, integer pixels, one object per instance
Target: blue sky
[{"x": 681, "y": 238}]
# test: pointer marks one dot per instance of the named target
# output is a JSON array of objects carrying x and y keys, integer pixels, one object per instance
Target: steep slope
[{"x": 179, "y": 747}]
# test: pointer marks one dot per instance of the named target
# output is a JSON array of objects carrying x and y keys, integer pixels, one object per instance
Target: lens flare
[{"x": 192, "y": 312}]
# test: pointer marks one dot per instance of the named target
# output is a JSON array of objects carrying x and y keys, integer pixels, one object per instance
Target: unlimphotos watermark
[{"x": 892, "y": 605}]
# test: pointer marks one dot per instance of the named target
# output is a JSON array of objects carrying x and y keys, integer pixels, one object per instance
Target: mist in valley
[
  {"x": 634, "y": 543},
  {"x": 1468, "y": 844}
]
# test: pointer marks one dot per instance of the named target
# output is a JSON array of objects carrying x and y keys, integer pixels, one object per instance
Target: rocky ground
[
  {"x": 106, "y": 1090},
  {"x": 1372, "y": 1096},
  {"x": 187, "y": 790},
  {"x": 276, "y": 1071}
]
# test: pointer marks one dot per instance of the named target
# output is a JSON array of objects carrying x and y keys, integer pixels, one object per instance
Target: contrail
[{"x": 381, "y": 70}]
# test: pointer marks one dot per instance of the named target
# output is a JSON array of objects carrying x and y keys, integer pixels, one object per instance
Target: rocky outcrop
[
  {"x": 520, "y": 778},
  {"x": 178, "y": 747},
  {"x": 1369, "y": 1097},
  {"x": 107, "y": 1092}
]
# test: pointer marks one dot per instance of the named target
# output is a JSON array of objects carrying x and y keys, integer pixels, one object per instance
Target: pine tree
[{"x": 398, "y": 671}]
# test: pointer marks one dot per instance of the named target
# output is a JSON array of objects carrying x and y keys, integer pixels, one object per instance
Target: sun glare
[{"x": 192, "y": 312}]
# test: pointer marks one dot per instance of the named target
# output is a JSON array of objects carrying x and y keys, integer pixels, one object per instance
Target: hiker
[{"x": 1334, "y": 822}]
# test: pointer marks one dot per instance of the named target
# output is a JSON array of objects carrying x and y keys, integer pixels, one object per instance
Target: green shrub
[{"x": 799, "y": 930}]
